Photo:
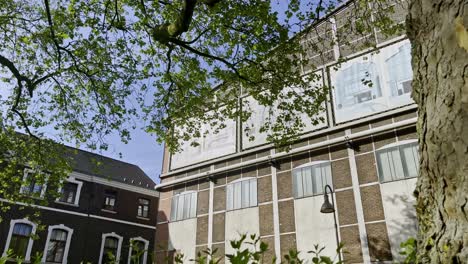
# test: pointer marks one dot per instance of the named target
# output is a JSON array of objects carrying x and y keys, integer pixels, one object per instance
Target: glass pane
[
  {"x": 19, "y": 245},
  {"x": 253, "y": 192},
  {"x": 193, "y": 206},
  {"x": 328, "y": 176},
  {"x": 383, "y": 162},
  {"x": 297, "y": 183},
  {"x": 237, "y": 195},
  {"x": 308, "y": 178},
  {"x": 411, "y": 159},
  {"x": 396, "y": 165},
  {"x": 229, "y": 197},
  {"x": 22, "y": 229},
  {"x": 245, "y": 194},
  {"x": 187, "y": 204},
  {"x": 174, "y": 208},
  {"x": 180, "y": 207},
  {"x": 110, "y": 242}
]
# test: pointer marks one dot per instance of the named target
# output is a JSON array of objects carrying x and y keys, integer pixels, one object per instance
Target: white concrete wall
[
  {"x": 313, "y": 227},
  {"x": 238, "y": 222},
  {"x": 182, "y": 237},
  {"x": 400, "y": 214}
]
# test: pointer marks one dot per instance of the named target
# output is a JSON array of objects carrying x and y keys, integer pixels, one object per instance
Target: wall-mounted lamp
[
  {"x": 328, "y": 208},
  {"x": 352, "y": 145},
  {"x": 274, "y": 163}
]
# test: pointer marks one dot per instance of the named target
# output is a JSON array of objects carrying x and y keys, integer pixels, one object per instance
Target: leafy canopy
[{"x": 90, "y": 68}]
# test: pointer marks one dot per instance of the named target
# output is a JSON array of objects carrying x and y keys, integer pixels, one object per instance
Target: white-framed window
[
  {"x": 398, "y": 161},
  {"x": 241, "y": 193},
  {"x": 110, "y": 200},
  {"x": 57, "y": 244},
  {"x": 70, "y": 192},
  {"x": 19, "y": 238},
  {"x": 184, "y": 206},
  {"x": 311, "y": 178},
  {"x": 143, "y": 207},
  {"x": 111, "y": 246},
  {"x": 138, "y": 250},
  {"x": 34, "y": 184}
]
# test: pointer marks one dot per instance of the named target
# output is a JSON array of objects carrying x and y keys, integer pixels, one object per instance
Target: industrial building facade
[{"x": 366, "y": 151}]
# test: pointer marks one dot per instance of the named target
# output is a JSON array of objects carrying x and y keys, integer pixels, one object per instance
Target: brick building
[
  {"x": 101, "y": 209},
  {"x": 366, "y": 151}
]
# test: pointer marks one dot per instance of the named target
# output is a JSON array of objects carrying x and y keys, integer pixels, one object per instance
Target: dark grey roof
[{"x": 104, "y": 167}]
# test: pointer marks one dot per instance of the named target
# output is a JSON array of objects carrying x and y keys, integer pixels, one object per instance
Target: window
[
  {"x": 110, "y": 198},
  {"x": 138, "y": 251},
  {"x": 184, "y": 206},
  {"x": 242, "y": 194},
  {"x": 143, "y": 207},
  {"x": 33, "y": 184},
  {"x": 110, "y": 248},
  {"x": 311, "y": 179},
  {"x": 19, "y": 238},
  {"x": 397, "y": 162},
  {"x": 70, "y": 192},
  {"x": 57, "y": 244}
]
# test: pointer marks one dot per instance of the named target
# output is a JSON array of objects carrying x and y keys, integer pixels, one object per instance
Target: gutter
[{"x": 322, "y": 144}]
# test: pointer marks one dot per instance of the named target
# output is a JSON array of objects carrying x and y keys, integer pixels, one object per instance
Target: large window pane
[
  {"x": 396, "y": 163},
  {"x": 311, "y": 180},
  {"x": 230, "y": 197},
  {"x": 184, "y": 206},
  {"x": 297, "y": 183},
  {"x": 241, "y": 194},
  {"x": 253, "y": 192}
]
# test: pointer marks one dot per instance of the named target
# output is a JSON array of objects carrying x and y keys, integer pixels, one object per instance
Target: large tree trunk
[{"x": 437, "y": 30}]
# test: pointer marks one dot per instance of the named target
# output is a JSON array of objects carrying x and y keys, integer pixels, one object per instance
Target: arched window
[
  {"x": 184, "y": 206},
  {"x": 398, "y": 161},
  {"x": 311, "y": 178},
  {"x": 241, "y": 193},
  {"x": 19, "y": 239},
  {"x": 138, "y": 250},
  {"x": 57, "y": 244},
  {"x": 110, "y": 248}
]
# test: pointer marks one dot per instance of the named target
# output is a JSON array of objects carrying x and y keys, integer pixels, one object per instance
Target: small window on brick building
[
  {"x": 143, "y": 207},
  {"x": 184, "y": 206},
  {"x": 110, "y": 200},
  {"x": 311, "y": 179},
  {"x": 241, "y": 193},
  {"x": 398, "y": 161}
]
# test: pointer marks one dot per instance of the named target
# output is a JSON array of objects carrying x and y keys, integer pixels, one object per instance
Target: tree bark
[{"x": 437, "y": 30}]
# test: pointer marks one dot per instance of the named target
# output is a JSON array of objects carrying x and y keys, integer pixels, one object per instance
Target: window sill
[
  {"x": 143, "y": 218},
  {"x": 69, "y": 204},
  {"x": 108, "y": 211}
]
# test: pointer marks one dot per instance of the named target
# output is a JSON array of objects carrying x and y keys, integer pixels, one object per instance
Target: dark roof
[{"x": 104, "y": 167}]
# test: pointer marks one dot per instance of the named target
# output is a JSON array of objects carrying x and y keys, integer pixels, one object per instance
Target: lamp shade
[{"x": 327, "y": 207}]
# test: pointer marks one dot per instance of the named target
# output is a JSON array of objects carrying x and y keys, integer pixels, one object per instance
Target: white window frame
[
  {"x": 145, "y": 254},
  {"x": 231, "y": 185},
  {"x": 27, "y": 172},
  {"x": 67, "y": 244},
  {"x": 174, "y": 218},
  {"x": 31, "y": 241},
  {"x": 392, "y": 145},
  {"x": 119, "y": 246},
  {"x": 78, "y": 191},
  {"x": 307, "y": 165}
]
